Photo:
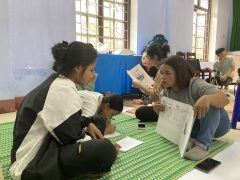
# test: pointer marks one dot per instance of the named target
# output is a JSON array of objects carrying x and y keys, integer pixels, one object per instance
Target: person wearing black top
[{"x": 151, "y": 71}]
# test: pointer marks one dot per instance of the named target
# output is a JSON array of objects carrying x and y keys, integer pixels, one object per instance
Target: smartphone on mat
[
  {"x": 207, "y": 165},
  {"x": 141, "y": 126}
]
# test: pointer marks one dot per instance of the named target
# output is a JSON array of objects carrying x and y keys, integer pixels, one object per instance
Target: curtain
[{"x": 235, "y": 36}]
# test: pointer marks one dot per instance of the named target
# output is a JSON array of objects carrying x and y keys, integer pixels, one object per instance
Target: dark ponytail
[
  {"x": 158, "y": 50},
  {"x": 166, "y": 50},
  {"x": 58, "y": 51},
  {"x": 68, "y": 56}
]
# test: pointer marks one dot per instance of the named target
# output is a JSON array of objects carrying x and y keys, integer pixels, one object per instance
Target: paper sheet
[{"x": 128, "y": 143}]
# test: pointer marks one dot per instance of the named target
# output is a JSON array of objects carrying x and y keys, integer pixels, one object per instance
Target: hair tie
[{"x": 64, "y": 45}]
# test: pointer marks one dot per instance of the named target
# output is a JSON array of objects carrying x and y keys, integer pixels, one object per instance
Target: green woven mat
[
  {"x": 156, "y": 158},
  {"x": 6, "y": 131}
]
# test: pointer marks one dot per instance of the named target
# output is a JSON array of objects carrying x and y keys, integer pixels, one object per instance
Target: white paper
[
  {"x": 112, "y": 135},
  {"x": 128, "y": 143},
  {"x": 175, "y": 123},
  {"x": 138, "y": 73},
  {"x": 229, "y": 169}
]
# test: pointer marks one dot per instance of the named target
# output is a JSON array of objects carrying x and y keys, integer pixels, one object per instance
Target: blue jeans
[{"x": 215, "y": 124}]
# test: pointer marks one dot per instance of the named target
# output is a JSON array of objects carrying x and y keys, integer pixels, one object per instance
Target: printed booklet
[
  {"x": 175, "y": 123},
  {"x": 138, "y": 73}
]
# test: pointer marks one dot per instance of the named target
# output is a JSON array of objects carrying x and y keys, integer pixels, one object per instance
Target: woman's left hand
[
  {"x": 201, "y": 107},
  {"x": 94, "y": 131}
]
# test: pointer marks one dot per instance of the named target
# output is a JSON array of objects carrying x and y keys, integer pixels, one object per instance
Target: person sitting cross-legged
[{"x": 224, "y": 69}]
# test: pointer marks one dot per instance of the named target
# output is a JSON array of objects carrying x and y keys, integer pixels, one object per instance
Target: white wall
[
  {"x": 213, "y": 31},
  {"x": 180, "y": 25},
  {"x": 32, "y": 28},
  {"x": 172, "y": 18},
  {"x": 133, "y": 25},
  {"x": 151, "y": 20},
  {"x": 224, "y": 24},
  {"x": 5, "y": 63}
]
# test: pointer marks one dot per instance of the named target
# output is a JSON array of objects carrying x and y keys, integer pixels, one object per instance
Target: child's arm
[
  {"x": 110, "y": 128},
  {"x": 218, "y": 100}
]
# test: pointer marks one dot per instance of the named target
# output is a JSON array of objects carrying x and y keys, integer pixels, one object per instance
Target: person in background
[
  {"x": 224, "y": 68},
  {"x": 212, "y": 121},
  {"x": 151, "y": 71},
  {"x": 154, "y": 56},
  {"x": 102, "y": 108},
  {"x": 49, "y": 124},
  {"x": 111, "y": 105}
]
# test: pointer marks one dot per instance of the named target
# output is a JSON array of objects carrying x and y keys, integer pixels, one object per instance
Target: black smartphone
[
  {"x": 207, "y": 165},
  {"x": 141, "y": 126}
]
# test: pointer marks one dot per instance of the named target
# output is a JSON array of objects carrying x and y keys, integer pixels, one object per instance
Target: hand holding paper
[
  {"x": 158, "y": 107},
  {"x": 140, "y": 77}
]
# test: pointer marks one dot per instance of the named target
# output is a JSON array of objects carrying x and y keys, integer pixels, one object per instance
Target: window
[
  {"x": 201, "y": 20},
  {"x": 103, "y": 22}
]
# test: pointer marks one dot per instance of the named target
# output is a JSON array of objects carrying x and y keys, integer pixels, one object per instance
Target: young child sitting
[
  {"x": 102, "y": 108},
  {"x": 211, "y": 120}
]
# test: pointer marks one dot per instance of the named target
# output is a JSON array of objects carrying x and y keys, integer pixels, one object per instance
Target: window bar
[{"x": 100, "y": 21}]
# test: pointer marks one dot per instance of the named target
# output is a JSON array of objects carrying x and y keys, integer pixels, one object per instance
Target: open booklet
[
  {"x": 138, "y": 73},
  {"x": 175, "y": 123}
]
